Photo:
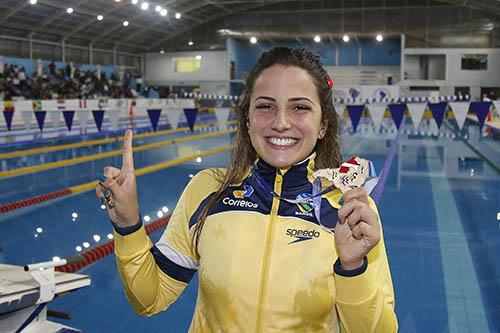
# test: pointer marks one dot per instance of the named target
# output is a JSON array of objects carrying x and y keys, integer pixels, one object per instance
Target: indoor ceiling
[{"x": 208, "y": 23}]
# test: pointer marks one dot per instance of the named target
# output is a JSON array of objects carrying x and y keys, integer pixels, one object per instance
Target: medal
[{"x": 353, "y": 173}]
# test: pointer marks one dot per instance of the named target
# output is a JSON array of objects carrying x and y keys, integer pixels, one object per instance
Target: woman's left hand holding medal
[{"x": 358, "y": 230}]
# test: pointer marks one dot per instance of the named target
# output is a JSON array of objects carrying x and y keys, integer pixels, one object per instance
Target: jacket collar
[{"x": 295, "y": 178}]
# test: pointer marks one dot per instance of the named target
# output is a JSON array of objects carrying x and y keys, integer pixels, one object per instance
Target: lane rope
[
  {"x": 83, "y": 159},
  {"x": 101, "y": 251},
  {"x": 91, "y": 185}
]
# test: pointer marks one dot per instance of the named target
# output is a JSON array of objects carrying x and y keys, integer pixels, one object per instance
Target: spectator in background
[
  {"x": 139, "y": 82},
  {"x": 52, "y": 68}
]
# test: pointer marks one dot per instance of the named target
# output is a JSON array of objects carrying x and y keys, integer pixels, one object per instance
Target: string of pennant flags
[{"x": 186, "y": 109}]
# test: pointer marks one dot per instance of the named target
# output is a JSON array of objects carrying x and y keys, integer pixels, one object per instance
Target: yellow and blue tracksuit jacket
[{"x": 265, "y": 265}]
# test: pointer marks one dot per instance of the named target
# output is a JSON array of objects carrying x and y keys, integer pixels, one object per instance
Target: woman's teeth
[{"x": 282, "y": 142}]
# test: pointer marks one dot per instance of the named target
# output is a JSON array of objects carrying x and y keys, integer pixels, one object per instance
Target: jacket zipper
[{"x": 267, "y": 248}]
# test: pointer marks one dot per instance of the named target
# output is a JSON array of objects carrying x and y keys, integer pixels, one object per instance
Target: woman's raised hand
[
  {"x": 118, "y": 190},
  {"x": 358, "y": 231}
]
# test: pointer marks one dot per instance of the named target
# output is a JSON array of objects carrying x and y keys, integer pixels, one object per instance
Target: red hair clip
[{"x": 329, "y": 81}]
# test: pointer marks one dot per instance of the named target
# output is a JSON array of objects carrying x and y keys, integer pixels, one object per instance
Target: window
[
  {"x": 475, "y": 62},
  {"x": 187, "y": 64}
]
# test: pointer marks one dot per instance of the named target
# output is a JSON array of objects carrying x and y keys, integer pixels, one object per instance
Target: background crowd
[{"x": 66, "y": 83}]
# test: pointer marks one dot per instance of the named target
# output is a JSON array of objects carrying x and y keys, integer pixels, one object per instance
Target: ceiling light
[
  {"x": 159, "y": 213},
  {"x": 147, "y": 218},
  {"x": 178, "y": 15},
  {"x": 190, "y": 43},
  {"x": 253, "y": 40},
  {"x": 86, "y": 244},
  {"x": 164, "y": 209},
  {"x": 162, "y": 51},
  {"x": 158, "y": 8},
  {"x": 74, "y": 215},
  {"x": 125, "y": 23},
  {"x": 118, "y": 0},
  {"x": 135, "y": 2},
  {"x": 33, "y": 2},
  {"x": 110, "y": 236},
  {"x": 100, "y": 17},
  {"x": 69, "y": 10},
  {"x": 317, "y": 38},
  {"x": 96, "y": 238},
  {"x": 144, "y": 6},
  {"x": 163, "y": 12},
  {"x": 198, "y": 159},
  {"x": 379, "y": 38},
  {"x": 56, "y": 258},
  {"x": 78, "y": 248},
  {"x": 345, "y": 38},
  {"x": 198, "y": 57}
]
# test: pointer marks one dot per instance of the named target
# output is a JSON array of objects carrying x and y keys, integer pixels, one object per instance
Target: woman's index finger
[{"x": 128, "y": 157}]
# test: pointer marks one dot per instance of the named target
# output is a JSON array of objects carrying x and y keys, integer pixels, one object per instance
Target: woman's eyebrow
[
  {"x": 295, "y": 99},
  {"x": 266, "y": 97}
]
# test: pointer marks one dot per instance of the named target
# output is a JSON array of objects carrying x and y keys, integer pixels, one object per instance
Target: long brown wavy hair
[{"x": 243, "y": 156}]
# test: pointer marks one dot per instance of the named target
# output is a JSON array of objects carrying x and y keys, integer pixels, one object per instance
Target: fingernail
[
  {"x": 101, "y": 199},
  {"x": 101, "y": 178},
  {"x": 341, "y": 201},
  {"x": 107, "y": 193}
]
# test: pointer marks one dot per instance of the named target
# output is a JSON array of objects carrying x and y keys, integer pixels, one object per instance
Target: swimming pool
[{"x": 439, "y": 213}]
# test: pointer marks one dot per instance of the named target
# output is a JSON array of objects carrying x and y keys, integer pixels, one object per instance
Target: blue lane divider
[{"x": 379, "y": 188}]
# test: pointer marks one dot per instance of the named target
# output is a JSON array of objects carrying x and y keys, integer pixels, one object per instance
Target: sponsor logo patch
[
  {"x": 240, "y": 195},
  {"x": 301, "y": 235}
]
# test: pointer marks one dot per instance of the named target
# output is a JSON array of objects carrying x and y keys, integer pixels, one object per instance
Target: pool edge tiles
[{"x": 463, "y": 297}]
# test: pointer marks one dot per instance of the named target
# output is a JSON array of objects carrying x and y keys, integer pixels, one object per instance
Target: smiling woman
[{"x": 264, "y": 258}]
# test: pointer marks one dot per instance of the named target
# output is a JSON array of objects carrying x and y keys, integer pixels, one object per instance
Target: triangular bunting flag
[
  {"x": 416, "y": 113},
  {"x": 397, "y": 113},
  {"x": 40, "y": 118},
  {"x": 154, "y": 116},
  {"x": 83, "y": 118},
  {"x": 68, "y": 118},
  {"x": 27, "y": 115},
  {"x": 460, "y": 110},
  {"x": 37, "y": 105},
  {"x": 174, "y": 117},
  {"x": 377, "y": 112},
  {"x": 114, "y": 118},
  {"x": 222, "y": 114},
  {"x": 8, "y": 115},
  {"x": 481, "y": 109},
  {"x": 191, "y": 115},
  {"x": 54, "y": 119},
  {"x": 497, "y": 106},
  {"x": 438, "y": 110},
  {"x": 98, "y": 117},
  {"x": 339, "y": 108},
  {"x": 355, "y": 112}
]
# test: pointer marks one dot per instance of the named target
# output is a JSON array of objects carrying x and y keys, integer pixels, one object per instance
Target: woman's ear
[{"x": 322, "y": 130}]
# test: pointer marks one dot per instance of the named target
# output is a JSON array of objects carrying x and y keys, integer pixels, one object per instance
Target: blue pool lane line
[
  {"x": 463, "y": 297},
  {"x": 379, "y": 188}
]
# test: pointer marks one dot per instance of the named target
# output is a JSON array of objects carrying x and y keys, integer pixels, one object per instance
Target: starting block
[{"x": 26, "y": 291}]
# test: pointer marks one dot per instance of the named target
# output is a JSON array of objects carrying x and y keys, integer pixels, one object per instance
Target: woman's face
[{"x": 285, "y": 115}]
